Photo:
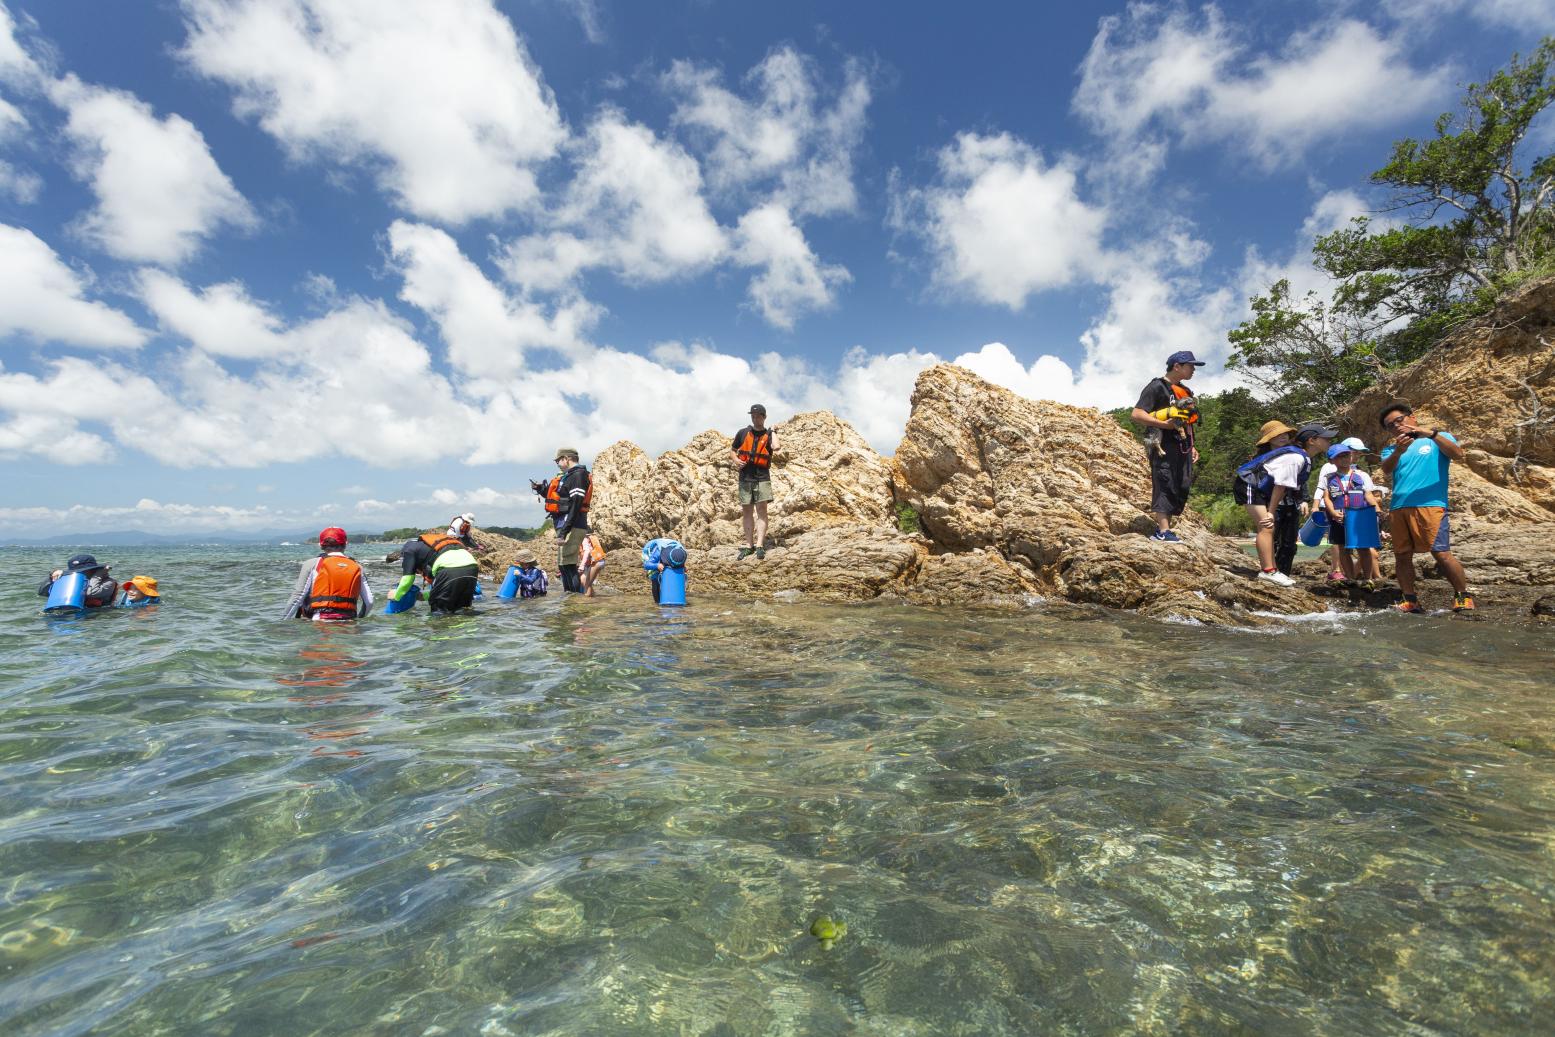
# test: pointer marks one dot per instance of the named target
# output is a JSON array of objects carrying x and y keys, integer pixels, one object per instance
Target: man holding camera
[{"x": 1417, "y": 463}]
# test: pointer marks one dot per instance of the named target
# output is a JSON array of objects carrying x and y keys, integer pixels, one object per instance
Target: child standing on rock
[{"x": 1351, "y": 499}]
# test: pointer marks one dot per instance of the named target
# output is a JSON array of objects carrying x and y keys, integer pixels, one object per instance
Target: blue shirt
[{"x": 1420, "y": 480}]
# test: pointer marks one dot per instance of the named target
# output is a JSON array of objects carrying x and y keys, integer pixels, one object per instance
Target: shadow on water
[{"x": 580, "y": 817}]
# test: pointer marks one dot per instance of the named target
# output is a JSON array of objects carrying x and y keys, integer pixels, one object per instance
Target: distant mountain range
[{"x": 140, "y": 538}]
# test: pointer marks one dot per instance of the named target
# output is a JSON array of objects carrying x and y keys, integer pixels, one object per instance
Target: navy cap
[
  {"x": 1182, "y": 356},
  {"x": 1316, "y": 428},
  {"x": 82, "y": 564}
]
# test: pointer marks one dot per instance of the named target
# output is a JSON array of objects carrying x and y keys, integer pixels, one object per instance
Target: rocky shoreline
[{"x": 992, "y": 499}]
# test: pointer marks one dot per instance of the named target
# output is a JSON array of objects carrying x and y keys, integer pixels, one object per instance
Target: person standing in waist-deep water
[
  {"x": 567, "y": 499},
  {"x": 1168, "y": 413},
  {"x": 1418, "y": 462},
  {"x": 100, "y": 587},
  {"x": 752, "y": 452},
  {"x": 332, "y": 587},
  {"x": 447, "y": 560}
]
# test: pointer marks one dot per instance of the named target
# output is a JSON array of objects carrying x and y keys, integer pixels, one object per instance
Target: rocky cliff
[
  {"x": 1015, "y": 498},
  {"x": 1492, "y": 384}
]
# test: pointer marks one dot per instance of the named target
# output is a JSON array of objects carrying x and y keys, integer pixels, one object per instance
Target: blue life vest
[
  {"x": 1261, "y": 482},
  {"x": 1349, "y": 495}
]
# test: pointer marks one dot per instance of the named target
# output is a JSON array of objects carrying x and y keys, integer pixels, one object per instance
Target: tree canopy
[{"x": 1471, "y": 215}]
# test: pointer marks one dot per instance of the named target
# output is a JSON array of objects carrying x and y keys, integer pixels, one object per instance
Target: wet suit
[
  {"x": 100, "y": 589},
  {"x": 452, "y": 568}
]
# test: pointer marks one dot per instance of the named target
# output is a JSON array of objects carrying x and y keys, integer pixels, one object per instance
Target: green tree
[{"x": 1471, "y": 215}]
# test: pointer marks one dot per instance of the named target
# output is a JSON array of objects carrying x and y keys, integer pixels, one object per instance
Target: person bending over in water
[
  {"x": 101, "y": 588},
  {"x": 445, "y": 559}
]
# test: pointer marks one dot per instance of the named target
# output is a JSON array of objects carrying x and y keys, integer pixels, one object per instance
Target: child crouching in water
[
  {"x": 532, "y": 582},
  {"x": 140, "y": 590},
  {"x": 1351, "y": 499}
]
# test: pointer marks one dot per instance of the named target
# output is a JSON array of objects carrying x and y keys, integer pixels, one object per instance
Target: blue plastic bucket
[
  {"x": 509, "y": 588},
  {"x": 672, "y": 587},
  {"x": 68, "y": 594},
  {"x": 477, "y": 586},
  {"x": 1313, "y": 529},
  {"x": 1361, "y": 529},
  {"x": 405, "y": 604}
]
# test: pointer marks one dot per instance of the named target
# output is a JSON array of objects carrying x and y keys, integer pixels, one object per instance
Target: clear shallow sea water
[{"x": 571, "y": 817}]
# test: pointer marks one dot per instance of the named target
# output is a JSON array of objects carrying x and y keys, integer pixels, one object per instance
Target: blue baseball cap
[
  {"x": 1340, "y": 448},
  {"x": 1182, "y": 356}
]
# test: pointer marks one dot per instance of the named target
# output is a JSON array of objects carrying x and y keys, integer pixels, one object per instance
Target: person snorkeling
[
  {"x": 567, "y": 499},
  {"x": 332, "y": 587},
  {"x": 445, "y": 559},
  {"x": 139, "y": 591},
  {"x": 101, "y": 589}
]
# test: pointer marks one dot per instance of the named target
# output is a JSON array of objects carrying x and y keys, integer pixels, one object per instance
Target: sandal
[{"x": 1336, "y": 577}]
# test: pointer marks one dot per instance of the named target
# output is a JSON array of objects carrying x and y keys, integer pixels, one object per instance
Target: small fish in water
[{"x": 828, "y": 931}]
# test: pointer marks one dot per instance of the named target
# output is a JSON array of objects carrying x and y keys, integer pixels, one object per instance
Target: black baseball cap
[
  {"x": 1314, "y": 429},
  {"x": 757, "y": 408}
]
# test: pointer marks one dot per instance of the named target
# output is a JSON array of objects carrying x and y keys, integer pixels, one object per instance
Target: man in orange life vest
[
  {"x": 567, "y": 498},
  {"x": 752, "y": 452},
  {"x": 1168, "y": 413},
  {"x": 332, "y": 587},
  {"x": 446, "y": 560}
]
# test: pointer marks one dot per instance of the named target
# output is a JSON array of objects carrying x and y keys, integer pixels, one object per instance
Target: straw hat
[
  {"x": 525, "y": 555},
  {"x": 1271, "y": 429}
]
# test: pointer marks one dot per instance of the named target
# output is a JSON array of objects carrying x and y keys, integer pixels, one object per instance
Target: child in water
[
  {"x": 591, "y": 563},
  {"x": 532, "y": 582},
  {"x": 140, "y": 590}
]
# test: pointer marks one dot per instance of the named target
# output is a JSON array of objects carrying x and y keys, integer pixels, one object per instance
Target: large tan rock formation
[{"x": 1492, "y": 384}]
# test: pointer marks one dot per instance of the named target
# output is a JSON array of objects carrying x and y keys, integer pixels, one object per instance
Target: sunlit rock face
[{"x": 1492, "y": 384}]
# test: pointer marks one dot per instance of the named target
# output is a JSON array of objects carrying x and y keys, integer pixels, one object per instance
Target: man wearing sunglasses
[{"x": 1417, "y": 463}]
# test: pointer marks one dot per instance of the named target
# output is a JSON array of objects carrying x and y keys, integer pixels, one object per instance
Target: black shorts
[
  {"x": 1245, "y": 494},
  {"x": 1171, "y": 477},
  {"x": 453, "y": 588}
]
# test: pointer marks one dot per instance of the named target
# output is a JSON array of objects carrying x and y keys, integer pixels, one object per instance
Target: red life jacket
[
  {"x": 553, "y": 494},
  {"x": 754, "y": 448},
  {"x": 337, "y": 584}
]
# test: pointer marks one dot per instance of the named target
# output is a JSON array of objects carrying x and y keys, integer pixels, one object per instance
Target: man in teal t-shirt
[{"x": 1417, "y": 462}]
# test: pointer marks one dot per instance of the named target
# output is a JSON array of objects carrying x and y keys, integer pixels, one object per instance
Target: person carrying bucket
[
  {"x": 81, "y": 584},
  {"x": 332, "y": 587},
  {"x": 445, "y": 559},
  {"x": 1351, "y": 500},
  {"x": 525, "y": 578},
  {"x": 664, "y": 560}
]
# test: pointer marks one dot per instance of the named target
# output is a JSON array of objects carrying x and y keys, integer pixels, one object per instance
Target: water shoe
[
  {"x": 761, "y": 552},
  {"x": 1463, "y": 603},
  {"x": 1413, "y": 608},
  {"x": 745, "y": 552}
]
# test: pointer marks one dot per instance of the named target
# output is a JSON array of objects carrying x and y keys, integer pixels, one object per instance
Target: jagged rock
[
  {"x": 977, "y": 579},
  {"x": 1063, "y": 492},
  {"x": 835, "y": 563},
  {"x": 1491, "y": 383}
]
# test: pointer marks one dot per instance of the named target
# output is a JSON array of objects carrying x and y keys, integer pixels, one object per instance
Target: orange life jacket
[
  {"x": 440, "y": 542},
  {"x": 1183, "y": 394},
  {"x": 337, "y": 583},
  {"x": 592, "y": 550},
  {"x": 754, "y": 448},
  {"x": 553, "y": 494}
]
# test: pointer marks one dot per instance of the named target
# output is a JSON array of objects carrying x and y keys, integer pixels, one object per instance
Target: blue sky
[{"x": 280, "y": 263}]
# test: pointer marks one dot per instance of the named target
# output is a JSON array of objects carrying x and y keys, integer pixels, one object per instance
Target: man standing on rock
[
  {"x": 1168, "y": 413},
  {"x": 752, "y": 452},
  {"x": 1417, "y": 462}
]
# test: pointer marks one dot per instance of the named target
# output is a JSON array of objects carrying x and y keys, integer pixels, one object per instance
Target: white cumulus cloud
[
  {"x": 159, "y": 191},
  {"x": 1158, "y": 70},
  {"x": 1000, "y": 223},
  {"x": 793, "y": 280},
  {"x": 44, "y": 299},
  {"x": 439, "y": 101}
]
